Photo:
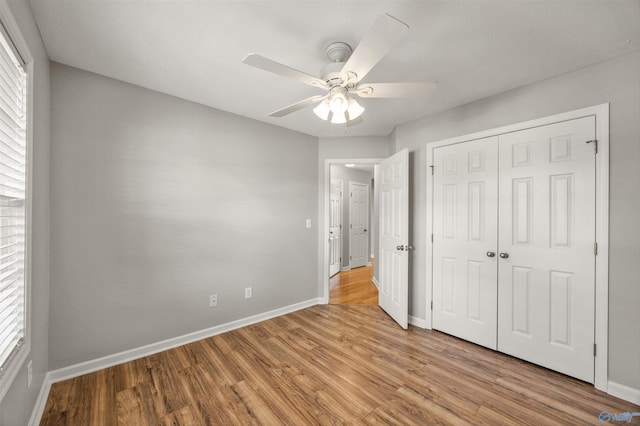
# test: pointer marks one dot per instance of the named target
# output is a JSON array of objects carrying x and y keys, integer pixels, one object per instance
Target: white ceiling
[{"x": 194, "y": 49}]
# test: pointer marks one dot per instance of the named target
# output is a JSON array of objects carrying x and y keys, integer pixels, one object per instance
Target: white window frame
[{"x": 12, "y": 30}]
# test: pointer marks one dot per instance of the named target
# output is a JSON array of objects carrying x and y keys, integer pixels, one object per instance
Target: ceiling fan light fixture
[
  {"x": 338, "y": 108},
  {"x": 355, "y": 110},
  {"x": 338, "y": 102},
  {"x": 322, "y": 110},
  {"x": 338, "y": 118}
]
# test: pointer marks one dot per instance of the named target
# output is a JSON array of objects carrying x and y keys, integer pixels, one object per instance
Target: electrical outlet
[
  {"x": 213, "y": 300},
  {"x": 248, "y": 293},
  {"x": 29, "y": 373}
]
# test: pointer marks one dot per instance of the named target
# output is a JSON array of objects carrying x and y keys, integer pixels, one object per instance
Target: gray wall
[
  {"x": 350, "y": 147},
  {"x": 347, "y": 175},
  {"x": 157, "y": 203},
  {"x": 615, "y": 82},
  {"x": 17, "y": 405}
]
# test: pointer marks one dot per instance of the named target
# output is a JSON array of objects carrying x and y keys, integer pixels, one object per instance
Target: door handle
[
  {"x": 401, "y": 248},
  {"x": 491, "y": 254},
  {"x": 504, "y": 255}
]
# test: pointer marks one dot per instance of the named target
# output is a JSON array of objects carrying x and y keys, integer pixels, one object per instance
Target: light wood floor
[
  {"x": 328, "y": 364},
  {"x": 353, "y": 287}
]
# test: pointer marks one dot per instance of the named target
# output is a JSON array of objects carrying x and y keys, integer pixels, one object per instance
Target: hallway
[{"x": 353, "y": 287}]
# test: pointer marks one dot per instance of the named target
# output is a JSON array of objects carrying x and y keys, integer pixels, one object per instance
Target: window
[{"x": 13, "y": 209}]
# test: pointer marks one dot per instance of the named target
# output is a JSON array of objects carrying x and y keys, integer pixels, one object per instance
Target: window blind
[{"x": 12, "y": 200}]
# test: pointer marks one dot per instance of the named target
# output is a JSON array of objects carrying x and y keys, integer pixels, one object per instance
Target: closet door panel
[
  {"x": 465, "y": 229},
  {"x": 546, "y": 285}
]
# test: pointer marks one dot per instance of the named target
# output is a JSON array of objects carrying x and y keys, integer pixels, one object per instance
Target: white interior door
[
  {"x": 335, "y": 227},
  {"x": 465, "y": 240},
  {"x": 546, "y": 284},
  {"x": 358, "y": 224},
  {"x": 394, "y": 237}
]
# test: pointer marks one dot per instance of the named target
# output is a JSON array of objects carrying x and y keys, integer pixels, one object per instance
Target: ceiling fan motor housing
[{"x": 338, "y": 52}]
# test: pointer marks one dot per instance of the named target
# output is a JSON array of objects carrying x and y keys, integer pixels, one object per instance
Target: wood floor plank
[{"x": 327, "y": 365}]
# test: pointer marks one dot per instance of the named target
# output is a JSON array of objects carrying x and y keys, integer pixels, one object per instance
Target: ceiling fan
[{"x": 343, "y": 76}]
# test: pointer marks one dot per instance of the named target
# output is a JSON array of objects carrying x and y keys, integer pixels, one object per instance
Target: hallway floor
[{"x": 354, "y": 287}]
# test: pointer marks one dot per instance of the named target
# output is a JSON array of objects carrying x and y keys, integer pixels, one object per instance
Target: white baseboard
[
  {"x": 368, "y": 264},
  {"x": 346, "y": 268},
  {"x": 41, "y": 401},
  {"x": 374, "y": 280},
  {"x": 624, "y": 392},
  {"x": 418, "y": 322},
  {"x": 131, "y": 354}
]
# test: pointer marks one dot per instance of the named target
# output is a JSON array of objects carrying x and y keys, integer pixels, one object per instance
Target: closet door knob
[
  {"x": 504, "y": 255},
  {"x": 491, "y": 254},
  {"x": 401, "y": 248}
]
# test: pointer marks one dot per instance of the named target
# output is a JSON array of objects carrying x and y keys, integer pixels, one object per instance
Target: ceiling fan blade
[
  {"x": 385, "y": 33},
  {"x": 283, "y": 70},
  {"x": 395, "y": 90},
  {"x": 297, "y": 106}
]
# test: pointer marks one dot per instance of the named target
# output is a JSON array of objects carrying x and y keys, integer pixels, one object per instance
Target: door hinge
[
  {"x": 595, "y": 349},
  {"x": 432, "y": 167},
  {"x": 350, "y": 257},
  {"x": 431, "y": 237},
  {"x": 595, "y": 249},
  {"x": 432, "y": 305},
  {"x": 351, "y": 194},
  {"x": 595, "y": 144}
]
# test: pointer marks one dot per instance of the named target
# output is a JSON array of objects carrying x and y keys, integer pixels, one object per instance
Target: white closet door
[
  {"x": 547, "y": 229},
  {"x": 465, "y": 240}
]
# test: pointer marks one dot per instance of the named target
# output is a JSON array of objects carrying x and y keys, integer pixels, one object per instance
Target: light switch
[{"x": 308, "y": 223}]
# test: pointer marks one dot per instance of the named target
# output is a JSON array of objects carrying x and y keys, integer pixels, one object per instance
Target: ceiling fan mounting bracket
[{"x": 338, "y": 51}]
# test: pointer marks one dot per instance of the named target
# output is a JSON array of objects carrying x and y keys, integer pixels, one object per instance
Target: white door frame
[
  {"x": 601, "y": 114},
  {"x": 323, "y": 229}
]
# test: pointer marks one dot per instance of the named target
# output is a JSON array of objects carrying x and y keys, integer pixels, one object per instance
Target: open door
[
  {"x": 394, "y": 237},
  {"x": 335, "y": 227}
]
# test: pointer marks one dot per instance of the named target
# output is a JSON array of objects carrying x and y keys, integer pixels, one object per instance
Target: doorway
[
  {"x": 351, "y": 240},
  {"x": 390, "y": 232},
  {"x": 344, "y": 281},
  {"x": 351, "y": 212}
]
